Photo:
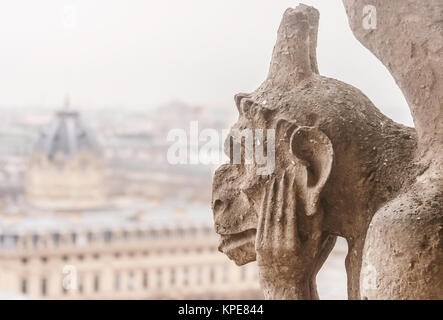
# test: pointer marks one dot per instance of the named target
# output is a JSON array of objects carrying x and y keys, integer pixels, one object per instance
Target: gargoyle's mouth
[{"x": 239, "y": 246}]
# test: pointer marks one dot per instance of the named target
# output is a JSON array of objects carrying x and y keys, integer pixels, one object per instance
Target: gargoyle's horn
[
  {"x": 294, "y": 56},
  {"x": 313, "y": 18}
]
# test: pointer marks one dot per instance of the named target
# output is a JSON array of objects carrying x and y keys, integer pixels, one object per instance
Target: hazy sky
[{"x": 141, "y": 53}]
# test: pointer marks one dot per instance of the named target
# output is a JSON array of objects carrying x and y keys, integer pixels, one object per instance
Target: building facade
[
  {"x": 166, "y": 263},
  {"x": 72, "y": 240},
  {"x": 66, "y": 169}
]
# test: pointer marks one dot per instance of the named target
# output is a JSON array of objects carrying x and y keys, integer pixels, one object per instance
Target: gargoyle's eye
[
  {"x": 246, "y": 106},
  {"x": 229, "y": 146},
  {"x": 235, "y": 149},
  {"x": 249, "y": 108},
  {"x": 238, "y": 146}
]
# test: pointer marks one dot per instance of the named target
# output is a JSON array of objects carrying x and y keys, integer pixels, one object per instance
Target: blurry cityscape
[{"x": 91, "y": 209}]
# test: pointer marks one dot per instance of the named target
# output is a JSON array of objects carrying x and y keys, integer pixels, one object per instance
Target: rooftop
[
  {"x": 67, "y": 135},
  {"x": 122, "y": 216}
]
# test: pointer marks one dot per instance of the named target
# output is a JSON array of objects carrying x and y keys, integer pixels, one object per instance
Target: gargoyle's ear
[
  {"x": 315, "y": 151},
  {"x": 284, "y": 129}
]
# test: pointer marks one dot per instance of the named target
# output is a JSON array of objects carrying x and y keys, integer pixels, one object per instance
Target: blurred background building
[
  {"x": 83, "y": 220},
  {"x": 66, "y": 169},
  {"x": 119, "y": 254}
]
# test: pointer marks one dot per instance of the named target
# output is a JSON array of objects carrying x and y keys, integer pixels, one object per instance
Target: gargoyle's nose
[{"x": 218, "y": 208}]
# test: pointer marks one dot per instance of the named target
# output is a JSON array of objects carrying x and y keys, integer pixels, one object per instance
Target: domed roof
[{"x": 66, "y": 135}]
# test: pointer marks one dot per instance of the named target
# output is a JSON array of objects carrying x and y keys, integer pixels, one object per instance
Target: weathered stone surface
[
  {"x": 403, "y": 255},
  {"x": 338, "y": 161},
  {"x": 408, "y": 39}
]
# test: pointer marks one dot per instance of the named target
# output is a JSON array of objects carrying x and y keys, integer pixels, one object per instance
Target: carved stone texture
[
  {"x": 403, "y": 255},
  {"x": 408, "y": 39},
  {"x": 338, "y": 159}
]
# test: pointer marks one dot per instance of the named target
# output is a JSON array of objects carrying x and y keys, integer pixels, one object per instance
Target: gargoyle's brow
[{"x": 238, "y": 99}]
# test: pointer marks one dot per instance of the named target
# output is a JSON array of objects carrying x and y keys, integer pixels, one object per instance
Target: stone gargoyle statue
[{"x": 342, "y": 168}]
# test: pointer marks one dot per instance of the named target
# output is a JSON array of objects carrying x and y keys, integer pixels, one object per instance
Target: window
[
  {"x": 185, "y": 276},
  {"x": 74, "y": 238},
  {"x": 159, "y": 278},
  {"x": 96, "y": 283},
  {"x": 117, "y": 281},
  {"x": 172, "y": 278},
  {"x": 199, "y": 275},
  {"x": 35, "y": 239},
  {"x": 108, "y": 236},
  {"x": 44, "y": 259},
  {"x": 167, "y": 233},
  {"x": 225, "y": 274},
  {"x": 81, "y": 285},
  {"x": 14, "y": 239},
  {"x": 24, "y": 260},
  {"x": 153, "y": 234},
  {"x": 64, "y": 286},
  {"x": 131, "y": 281},
  {"x": 90, "y": 236},
  {"x": 56, "y": 238},
  {"x": 180, "y": 232},
  {"x": 145, "y": 279},
  {"x": 24, "y": 286},
  {"x": 44, "y": 286},
  {"x": 212, "y": 275}
]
